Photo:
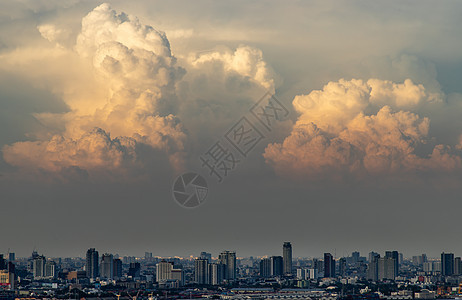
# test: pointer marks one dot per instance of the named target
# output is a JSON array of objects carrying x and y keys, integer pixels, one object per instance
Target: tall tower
[
  {"x": 287, "y": 257},
  {"x": 228, "y": 258},
  {"x": 201, "y": 268},
  {"x": 163, "y": 271},
  {"x": 394, "y": 255},
  {"x": 107, "y": 266},
  {"x": 92, "y": 266},
  {"x": 329, "y": 265},
  {"x": 447, "y": 264}
]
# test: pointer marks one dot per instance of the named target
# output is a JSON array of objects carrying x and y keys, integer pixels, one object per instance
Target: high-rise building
[
  {"x": 386, "y": 268},
  {"x": 207, "y": 256},
  {"x": 342, "y": 265},
  {"x": 373, "y": 266},
  {"x": 201, "y": 271},
  {"x": 394, "y": 255},
  {"x": 12, "y": 256},
  {"x": 265, "y": 267},
  {"x": 287, "y": 257},
  {"x": 447, "y": 264},
  {"x": 163, "y": 271},
  {"x": 178, "y": 275},
  {"x": 277, "y": 266},
  {"x": 38, "y": 267},
  {"x": 457, "y": 266},
  {"x": 7, "y": 279},
  {"x": 216, "y": 273},
  {"x": 148, "y": 256},
  {"x": 117, "y": 267},
  {"x": 107, "y": 266},
  {"x": 92, "y": 263},
  {"x": 134, "y": 270},
  {"x": 2, "y": 263},
  {"x": 50, "y": 270},
  {"x": 329, "y": 265},
  {"x": 228, "y": 258}
]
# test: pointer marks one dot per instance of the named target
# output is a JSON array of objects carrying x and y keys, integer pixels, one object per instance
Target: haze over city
[{"x": 354, "y": 110}]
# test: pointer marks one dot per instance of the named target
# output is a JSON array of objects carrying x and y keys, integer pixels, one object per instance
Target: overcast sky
[{"x": 103, "y": 105}]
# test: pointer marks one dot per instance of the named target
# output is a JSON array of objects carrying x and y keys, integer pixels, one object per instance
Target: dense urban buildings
[{"x": 374, "y": 276}]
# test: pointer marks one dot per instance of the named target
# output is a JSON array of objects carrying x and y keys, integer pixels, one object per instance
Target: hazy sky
[{"x": 103, "y": 105}]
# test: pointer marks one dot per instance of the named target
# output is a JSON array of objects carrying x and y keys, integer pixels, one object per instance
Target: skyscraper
[
  {"x": 265, "y": 267},
  {"x": 394, "y": 255},
  {"x": 92, "y": 264},
  {"x": 163, "y": 271},
  {"x": 329, "y": 265},
  {"x": 373, "y": 266},
  {"x": 447, "y": 264},
  {"x": 457, "y": 266},
  {"x": 228, "y": 258},
  {"x": 201, "y": 271},
  {"x": 107, "y": 266},
  {"x": 117, "y": 266},
  {"x": 38, "y": 266},
  {"x": 216, "y": 272},
  {"x": 287, "y": 257},
  {"x": 277, "y": 266},
  {"x": 387, "y": 268}
]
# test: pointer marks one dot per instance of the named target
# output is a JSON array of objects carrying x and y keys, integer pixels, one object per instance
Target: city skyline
[{"x": 177, "y": 127}]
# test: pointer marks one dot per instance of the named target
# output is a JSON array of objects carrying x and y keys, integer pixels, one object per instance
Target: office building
[
  {"x": 457, "y": 266},
  {"x": 201, "y": 271},
  {"x": 329, "y": 265},
  {"x": 207, "y": 256},
  {"x": 265, "y": 267},
  {"x": 92, "y": 263},
  {"x": 134, "y": 270},
  {"x": 178, "y": 275},
  {"x": 277, "y": 266},
  {"x": 2, "y": 263},
  {"x": 12, "y": 256},
  {"x": 228, "y": 258},
  {"x": 287, "y": 257},
  {"x": 373, "y": 267},
  {"x": 50, "y": 270},
  {"x": 107, "y": 266},
  {"x": 163, "y": 271},
  {"x": 395, "y": 256},
  {"x": 447, "y": 264},
  {"x": 216, "y": 273},
  {"x": 117, "y": 268},
  {"x": 38, "y": 267},
  {"x": 386, "y": 268}
]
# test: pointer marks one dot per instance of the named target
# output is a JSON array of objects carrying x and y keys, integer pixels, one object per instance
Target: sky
[{"x": 103, "y": 105}]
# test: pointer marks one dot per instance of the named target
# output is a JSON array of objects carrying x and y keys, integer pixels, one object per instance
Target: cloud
[
  {"x": 121, "y": 77},
  {"x": 358, "y": 128}
]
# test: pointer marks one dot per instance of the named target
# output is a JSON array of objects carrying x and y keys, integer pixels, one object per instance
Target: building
[
  {"x": 50, "y": 270},
  {"x": 447, "y": 264},
  {"x": 107, "y": 266},
  {"x": 457, "y": 266},
  {"x": 395, "y": 256},
  {"x": 2, "y": 263},
  {"x": 117, "y": 267},
  {"x": 265, "y": 267},
  {"x": 201, "y": 268},
  {"x": 38, "y": 267},
  {"x": 373, "y": 267},
  {"x": 207, "y": 256},
  {"x": 287, "y": 257},
  {"x": 178, "y": 275},
  {"x": 12, "y": 256},
  {"x": 386, "y": 268},
  {"x": 342, "y": 264},
  {"x": 228, "y": 258},
  {"x": 92, "y": 263},
  {"x": 164, "y": 271},
  {"x": 7, "y": 279},
  {"x": 134, "y": 270},
  {"x": 329, "y": 265},
  {"x": 277, "y": 266}
]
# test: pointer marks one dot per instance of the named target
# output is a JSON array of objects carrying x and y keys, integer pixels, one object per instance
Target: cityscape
[{"x": 95, "y": 275}]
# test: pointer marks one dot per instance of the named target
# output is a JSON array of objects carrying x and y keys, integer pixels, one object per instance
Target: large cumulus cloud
[
  {"x": 361, "y": 128},
  {"x": 124, "y": 88}
]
